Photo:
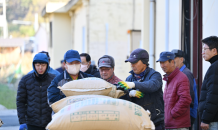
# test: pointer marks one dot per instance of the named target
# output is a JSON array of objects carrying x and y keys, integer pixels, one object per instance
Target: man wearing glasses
[
  {"x": 208, "y": 102},
  {"x": 106, "y": 66}
]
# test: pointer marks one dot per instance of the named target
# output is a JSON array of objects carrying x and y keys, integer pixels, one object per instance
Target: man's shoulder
[
  {"x": 85, "y": 75},
  {"x": 52, "y": 71},
  {"x": 52, "y": 76},
  {"x": 187, "y": 72},
  {"x": 181, "y": 77},
  {"x": 58, "y": 78}
]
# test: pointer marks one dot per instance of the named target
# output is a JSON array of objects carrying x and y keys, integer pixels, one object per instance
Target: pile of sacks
[{"x": 91, "y": 104}]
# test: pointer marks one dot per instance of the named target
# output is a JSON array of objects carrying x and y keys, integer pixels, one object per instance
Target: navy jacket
[
  {"x": 208, "y": 102},
  {"x": 151, "y": 86},
  {"x": 54, "y": 93},
  {"x": 32, "y": 105},
  {"x": 93, "y": 71},
  {"x": 193, "y": 91}
]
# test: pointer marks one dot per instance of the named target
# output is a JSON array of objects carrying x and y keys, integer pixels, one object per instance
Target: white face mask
[
  {"x": 84, "y": 68},
  {"x": 73, "y": 69}
]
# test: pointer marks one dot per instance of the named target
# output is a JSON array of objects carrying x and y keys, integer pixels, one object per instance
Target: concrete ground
[{"x": 9, "y": 118}]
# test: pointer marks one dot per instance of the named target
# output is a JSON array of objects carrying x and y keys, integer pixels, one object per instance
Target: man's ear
[
  {"x": 214, "y": 50},
  {"x": 89, "y": 62}
]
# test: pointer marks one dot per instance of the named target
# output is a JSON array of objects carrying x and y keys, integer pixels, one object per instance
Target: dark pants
[
  {"x": 160, "y": 126},
  {"x": 32, "y": 127},
  {"x": 192, "y": 122}
]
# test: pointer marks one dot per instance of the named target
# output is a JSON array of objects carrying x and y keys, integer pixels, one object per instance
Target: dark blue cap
[
  {"x": 137, "y": 54},
  {"x": 164, "y": 56},
  {"x": 178, "y": 53},
  {"x": 72, "y": 55}
]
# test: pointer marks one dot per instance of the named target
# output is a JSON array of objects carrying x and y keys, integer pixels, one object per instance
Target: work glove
[
  {"x": 136, "y": 93},
  {"x": 23, "y": 127},
  {"x": 126, "y": 85}
]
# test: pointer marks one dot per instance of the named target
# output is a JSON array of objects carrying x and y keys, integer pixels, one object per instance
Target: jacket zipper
[{"x": 40, "y": 104}]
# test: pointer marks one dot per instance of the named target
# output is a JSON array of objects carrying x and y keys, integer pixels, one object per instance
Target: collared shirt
[{"x": 114, "y": 80}]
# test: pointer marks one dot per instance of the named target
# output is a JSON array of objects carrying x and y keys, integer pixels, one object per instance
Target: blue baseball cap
[
  {"x": 164, "y": 56},
  {"x": 72, "y": 55}
]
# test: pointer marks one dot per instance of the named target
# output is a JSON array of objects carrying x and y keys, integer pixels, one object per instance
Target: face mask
[
  {"x": 84, "y": 68},
  {"x": 73, "y": 69}
]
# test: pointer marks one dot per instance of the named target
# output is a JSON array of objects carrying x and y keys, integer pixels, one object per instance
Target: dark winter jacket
[
  {"x": 177, "y": 100},
  {"x": 54, "y": 93},
  {"x": 193, "y": 91},
  {"x": 60, "y": 70},
  {"x": 208, "y": 103},
  {"x": 32, "y": 105},
  {"x": 151, "y": 86},
  {"x": 93, "y": 71}
]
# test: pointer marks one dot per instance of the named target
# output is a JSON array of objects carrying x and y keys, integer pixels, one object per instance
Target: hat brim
[
  {"x": 108, "y": 66},
  {"x": 73, "y": 59},
  {"x": 162, "y": 59},
  {"x": 132, "y": 60}
]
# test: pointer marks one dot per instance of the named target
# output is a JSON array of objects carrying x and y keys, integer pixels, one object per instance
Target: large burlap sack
[
  {"x": 72, "y": 99},
  {"x": 101, "y": 114},
  {"x": 90, "y": 86}
]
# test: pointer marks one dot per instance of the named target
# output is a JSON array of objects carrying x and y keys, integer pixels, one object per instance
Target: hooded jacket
[{"x": 32, "y": 105}]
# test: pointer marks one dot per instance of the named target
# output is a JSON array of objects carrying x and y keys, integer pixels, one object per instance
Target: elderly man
[
  {"x": 106, "y": 66},
  {"x": 177, "y": 97},
  {"x": 179, "y": 62},
  {"x": 208, "y": 103},
  {"x": 72, "y": 63},
  {"x": 145, "y": 86}
]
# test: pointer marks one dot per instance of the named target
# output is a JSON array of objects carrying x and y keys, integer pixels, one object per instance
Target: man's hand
[
  {"x": 135, "y": 93},
  {"x": 204, "y": 126},
  {"x": 126, "y": 85}
]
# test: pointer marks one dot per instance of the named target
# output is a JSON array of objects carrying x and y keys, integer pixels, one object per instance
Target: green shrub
[{"x": 7, "y": 97}]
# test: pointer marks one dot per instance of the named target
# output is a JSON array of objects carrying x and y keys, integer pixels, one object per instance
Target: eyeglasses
[{"x": 204, "y": 49}]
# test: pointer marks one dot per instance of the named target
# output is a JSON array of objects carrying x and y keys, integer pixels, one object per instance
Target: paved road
[{"x": 10, "y": 119}]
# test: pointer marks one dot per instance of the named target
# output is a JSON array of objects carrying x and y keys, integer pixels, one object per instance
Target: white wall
[
  {"x": 118, "y": 15},
  {"x": 210, "y": 26},
  {"x": 61, "y": 38},
  {"x": 79, "y": 23},
  {"x": 174, "y": 28}
]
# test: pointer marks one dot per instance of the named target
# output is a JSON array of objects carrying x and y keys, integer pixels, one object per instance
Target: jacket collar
[
  {"x": 213, "y": 59},
  {"x": 168, "y": 78},
  {"x": 89, "y": 70},
  {"x": 146, "y": 72},
  {"x": 67, "y": 76}
]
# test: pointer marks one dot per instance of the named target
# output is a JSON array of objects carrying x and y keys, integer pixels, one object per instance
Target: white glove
[
  {"x": 135, "y": 93},
  {"x": 131, "y": 84}
]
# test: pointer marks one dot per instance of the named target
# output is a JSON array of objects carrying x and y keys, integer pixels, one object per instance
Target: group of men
[{"x": 176, "y": 108}]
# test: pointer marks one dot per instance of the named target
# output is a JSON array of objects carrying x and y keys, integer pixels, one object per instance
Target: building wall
[
  {"x": 41, "y": 39},
  {"x": 79, "y": 36},
  {"x": 209, "y": 24},
  {"x": 118, "y": 16},
  {"x": 174, "y": 28},
  {"x": 61, "y": 38}
]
